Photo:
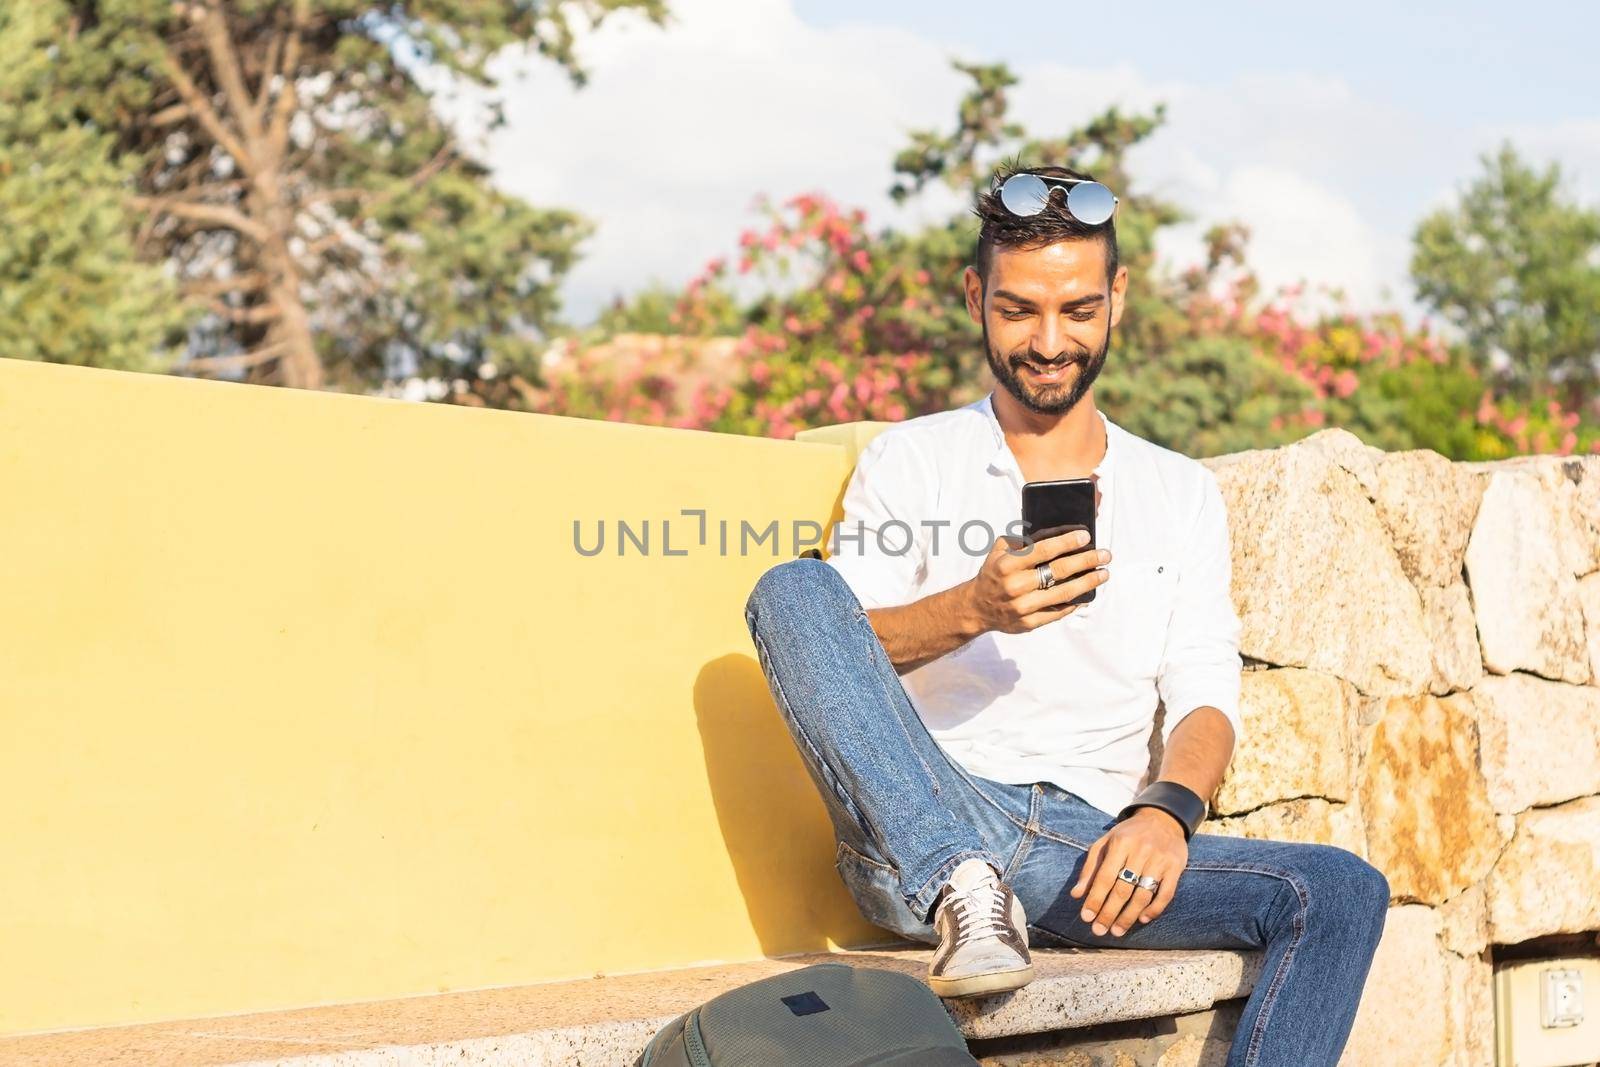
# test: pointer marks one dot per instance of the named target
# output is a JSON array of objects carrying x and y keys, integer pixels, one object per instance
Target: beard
[{"x": 1048, "y": 398}]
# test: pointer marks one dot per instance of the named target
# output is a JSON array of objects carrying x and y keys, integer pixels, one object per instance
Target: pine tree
[{"x": 71, "y": 287}]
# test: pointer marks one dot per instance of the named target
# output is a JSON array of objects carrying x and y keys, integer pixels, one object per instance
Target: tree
[
  {"x": 1516, "y": 267},
  {"x": 72, "y": 289},
  {"x": 289, "y": 164}
]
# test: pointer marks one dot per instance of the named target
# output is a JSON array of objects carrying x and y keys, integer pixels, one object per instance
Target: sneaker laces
[{"x": 980, "y": 912}]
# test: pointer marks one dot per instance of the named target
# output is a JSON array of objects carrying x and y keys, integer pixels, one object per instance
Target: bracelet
[{"x": 1179, "y": 801}]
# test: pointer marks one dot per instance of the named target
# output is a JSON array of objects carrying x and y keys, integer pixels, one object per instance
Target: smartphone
[{"x": 1051, "y": 508}]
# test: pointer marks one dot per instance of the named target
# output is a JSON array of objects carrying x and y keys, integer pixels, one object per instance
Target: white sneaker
[{"x": 983, "y": 941}]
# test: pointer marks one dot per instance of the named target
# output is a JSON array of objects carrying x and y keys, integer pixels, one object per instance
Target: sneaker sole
[{"x": 977, "y": 985}]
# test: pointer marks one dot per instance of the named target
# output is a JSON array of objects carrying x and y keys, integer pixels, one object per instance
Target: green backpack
[{"x": 826, "y": 1015}]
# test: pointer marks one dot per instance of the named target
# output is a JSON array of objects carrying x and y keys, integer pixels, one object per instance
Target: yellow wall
[{"x": 309, "y": 698}]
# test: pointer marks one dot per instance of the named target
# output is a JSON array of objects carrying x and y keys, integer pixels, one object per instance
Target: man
[{"x": 981, "y": 743}]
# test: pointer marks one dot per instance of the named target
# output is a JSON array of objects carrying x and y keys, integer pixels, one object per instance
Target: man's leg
[
  {"x": 897, "y": 801},
  {"x": 1316, "y": 912}
]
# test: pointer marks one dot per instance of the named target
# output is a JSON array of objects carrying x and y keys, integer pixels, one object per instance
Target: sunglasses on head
[{"x": 1087, "y": 201}]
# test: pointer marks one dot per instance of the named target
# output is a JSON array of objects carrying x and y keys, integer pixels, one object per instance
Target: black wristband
[{"x": 1179, "y": 801}]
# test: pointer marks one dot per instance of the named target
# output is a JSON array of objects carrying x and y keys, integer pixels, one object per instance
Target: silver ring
[
  {"x": 1150, "y": 883},
  {"x": 1128, "y": 876},
  {"x": 1047, "y": 577}
]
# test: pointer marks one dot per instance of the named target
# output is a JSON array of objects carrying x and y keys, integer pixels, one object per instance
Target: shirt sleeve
[
  {"x": 1201, "y": 664},
  {"x": 879, "y": 546}
]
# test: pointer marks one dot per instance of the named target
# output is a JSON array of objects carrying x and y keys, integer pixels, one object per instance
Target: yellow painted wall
[{"x": 308, "y": 698}]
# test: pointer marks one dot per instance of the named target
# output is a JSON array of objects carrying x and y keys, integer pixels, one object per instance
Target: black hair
[{"x": 1001, "y": 229}]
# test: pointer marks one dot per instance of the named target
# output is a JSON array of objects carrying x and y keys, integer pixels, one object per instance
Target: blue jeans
[{"x": 905, "y": 815}]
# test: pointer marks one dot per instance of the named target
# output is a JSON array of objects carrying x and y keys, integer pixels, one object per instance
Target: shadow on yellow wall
[{"x": 774, "y": 824}]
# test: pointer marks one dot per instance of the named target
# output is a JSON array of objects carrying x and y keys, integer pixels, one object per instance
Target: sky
[{"x": 1329, "y": 130}]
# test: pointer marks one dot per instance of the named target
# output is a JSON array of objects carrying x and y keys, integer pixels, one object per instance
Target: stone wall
[{"x": 1422, "y": 687}]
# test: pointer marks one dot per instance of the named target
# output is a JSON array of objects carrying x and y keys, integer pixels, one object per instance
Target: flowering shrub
[
  {"x": 864, "y": 333},
  {"x": 1398, "y": 387},
  {"x": 852, "y": 326}
]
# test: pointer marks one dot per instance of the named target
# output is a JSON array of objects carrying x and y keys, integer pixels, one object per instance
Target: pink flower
[
  {"x": 861, "y": 261},
  {"x": 1486, "y": 412},
  {"x": 1345, "y": 383}
]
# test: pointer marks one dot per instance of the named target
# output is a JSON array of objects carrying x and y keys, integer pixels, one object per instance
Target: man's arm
[
  {"x": 920, "y": 632},
  {"x": 1199, "y": 684},
  {"x": 1199, "y": 677},
  {"x": 1004, "y": 595},
  {"x": 1197, "y": 754}
]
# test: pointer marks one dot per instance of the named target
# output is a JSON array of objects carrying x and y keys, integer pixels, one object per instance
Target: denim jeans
[{"x": 905, "y": 815}]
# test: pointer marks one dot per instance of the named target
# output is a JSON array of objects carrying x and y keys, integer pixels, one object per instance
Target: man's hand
[
  {"x": 1151, "y": 844},
  {"x": 1005, "y": 593}
]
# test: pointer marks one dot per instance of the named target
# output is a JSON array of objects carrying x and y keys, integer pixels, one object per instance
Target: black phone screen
[{"x": 1051, "y": 508}]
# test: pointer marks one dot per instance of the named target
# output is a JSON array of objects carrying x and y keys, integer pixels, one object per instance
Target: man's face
[{"x": 1047, "y": 315}]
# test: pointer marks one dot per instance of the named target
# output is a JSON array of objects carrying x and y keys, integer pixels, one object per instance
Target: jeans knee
[
  {"x": 793, "y": 582},
  {"x": 1372, "y": 884},
  {"x": 1362, "y": 889}
]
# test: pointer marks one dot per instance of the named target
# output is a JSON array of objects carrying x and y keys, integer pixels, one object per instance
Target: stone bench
[{"x": 605, "y": 1021}]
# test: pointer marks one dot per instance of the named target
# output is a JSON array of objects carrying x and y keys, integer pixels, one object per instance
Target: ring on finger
[
  {"x": 1147, "y": 882},
  {"x": 1047, "y": 576},
  {"x": 1128, "y": 876}
]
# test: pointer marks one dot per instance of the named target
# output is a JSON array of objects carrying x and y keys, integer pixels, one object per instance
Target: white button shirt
[{"x": 1072, "y": 702}]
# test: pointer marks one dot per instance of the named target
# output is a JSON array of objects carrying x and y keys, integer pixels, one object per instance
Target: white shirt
[{"x": 1072, "y": 702}]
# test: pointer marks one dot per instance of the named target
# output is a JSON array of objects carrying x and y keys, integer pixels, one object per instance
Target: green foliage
[
  {"x": 1215, "y": 395},
  {"x": 71, "y": 287},
  {"x": 1516, "y": 266},
  {"x": 660, "y": 309},
  {"x": 650, "y": 310}
]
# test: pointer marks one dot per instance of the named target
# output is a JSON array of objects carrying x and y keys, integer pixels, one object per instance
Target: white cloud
[{"x": 679, "y": 128}]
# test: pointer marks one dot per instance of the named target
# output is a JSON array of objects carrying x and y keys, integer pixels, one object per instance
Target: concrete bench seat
[{"x": 606, "y": 1021}]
